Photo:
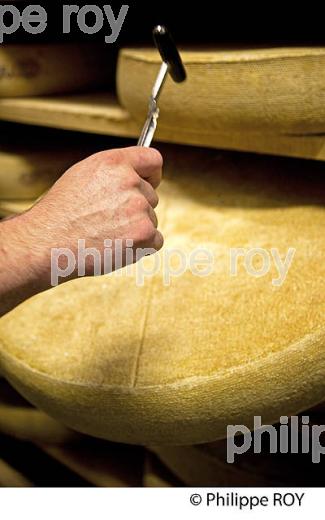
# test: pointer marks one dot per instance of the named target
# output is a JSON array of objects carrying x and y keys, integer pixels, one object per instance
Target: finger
[
  {"x": 158, "y": 241},
  {"x": 153, "y": 216},
  {"x": 147, "y": 162},
  {"x": 149, "y": 193}
]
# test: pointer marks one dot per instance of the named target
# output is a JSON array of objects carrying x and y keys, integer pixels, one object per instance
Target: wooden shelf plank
[
  {"x": 96, "y": 112},
  {"x": 100, "y": 113}
]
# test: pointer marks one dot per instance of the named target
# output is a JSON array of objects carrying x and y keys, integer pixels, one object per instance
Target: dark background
[{"x": 278, "y": 23}]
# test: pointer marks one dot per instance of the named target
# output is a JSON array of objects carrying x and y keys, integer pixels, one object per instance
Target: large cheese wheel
[
  {"x": 264, "y": 100},
  {"x": 175, "y": 364},
  {"x": 47, "y": 68}
]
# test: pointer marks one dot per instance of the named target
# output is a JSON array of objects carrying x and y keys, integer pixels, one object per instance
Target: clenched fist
[{"x": 109, "y": 196}]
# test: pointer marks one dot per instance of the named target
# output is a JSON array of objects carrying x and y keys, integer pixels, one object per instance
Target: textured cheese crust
[
  {"x": 275, "y": 91},
  {"x": 176, "y": 364}
]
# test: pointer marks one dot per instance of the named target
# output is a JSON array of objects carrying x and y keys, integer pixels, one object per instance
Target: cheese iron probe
[{"x": 173, "y": 65}]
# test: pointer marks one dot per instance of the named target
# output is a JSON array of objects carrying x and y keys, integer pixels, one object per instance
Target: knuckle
[
  {"x": 132, "y": 179},
  {"x": 155, "y": 157},
  {"x": 151, "y": 156},
  {"x": 147, "y": 230},
  {"x": 153, "y": 216},
  {"x": 140, "y": 203},
  {"x": 153, "y": 197},
  {"x": 158, "y": 241}
]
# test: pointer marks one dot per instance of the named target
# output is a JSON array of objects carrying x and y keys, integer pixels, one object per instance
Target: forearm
[{"x": 23, "y": 263}]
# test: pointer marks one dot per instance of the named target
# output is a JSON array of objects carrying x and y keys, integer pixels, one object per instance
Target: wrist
[{"x": 24, "y": 262}]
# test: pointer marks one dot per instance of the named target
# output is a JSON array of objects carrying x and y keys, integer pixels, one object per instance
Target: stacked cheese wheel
[
  {"x": 266, "y": 100},
  {"x": 26, "y": 172},
  {"x": 42, "y": 69}
]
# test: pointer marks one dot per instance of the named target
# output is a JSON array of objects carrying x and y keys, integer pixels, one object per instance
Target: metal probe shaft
[{"x": 173, "y": 65}]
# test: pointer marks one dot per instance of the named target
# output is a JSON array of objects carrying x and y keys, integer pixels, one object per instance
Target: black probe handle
[{"x": 169, "y": 53}]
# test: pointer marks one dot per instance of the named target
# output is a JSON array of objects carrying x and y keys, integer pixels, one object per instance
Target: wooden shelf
[
  {"x": 100, "y": 113},
  {"x": 96, "y": 112}
]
